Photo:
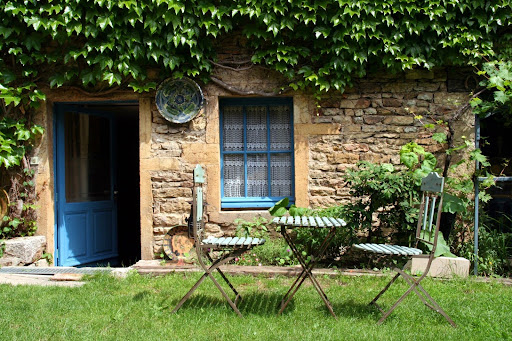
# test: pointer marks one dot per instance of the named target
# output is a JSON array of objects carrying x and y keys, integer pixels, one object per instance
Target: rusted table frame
[
  {"x": 307, "y": 266},
  {"x": 306, "y": 272}
]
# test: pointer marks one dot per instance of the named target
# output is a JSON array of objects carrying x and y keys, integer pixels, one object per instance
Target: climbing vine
[
  {"x": 101, "y": 45},
  {"x": 321, "y": 44}
]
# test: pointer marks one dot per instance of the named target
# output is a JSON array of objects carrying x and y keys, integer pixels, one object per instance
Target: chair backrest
[
  {"x": 197, "y": 203},
  {"x": 430, "y": 209}
]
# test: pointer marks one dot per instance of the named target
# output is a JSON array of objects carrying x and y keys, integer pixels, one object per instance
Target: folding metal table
[{"x": 284, "y": 224}]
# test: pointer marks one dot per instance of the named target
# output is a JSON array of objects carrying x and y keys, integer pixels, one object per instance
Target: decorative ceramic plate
[
  {"x": 179, "y": 100},
  {"x": 177, "y": 244}
]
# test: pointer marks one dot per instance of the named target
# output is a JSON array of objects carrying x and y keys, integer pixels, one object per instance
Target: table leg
[{"x": 306, "y": 272}]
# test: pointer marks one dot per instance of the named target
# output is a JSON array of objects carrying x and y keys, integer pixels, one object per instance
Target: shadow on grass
[
  {"x": 141, "y": 295},
  {"x": 351, "y": 309},
  {"x": 262, "y": 304},
  {"x": 371, "y": 312}
]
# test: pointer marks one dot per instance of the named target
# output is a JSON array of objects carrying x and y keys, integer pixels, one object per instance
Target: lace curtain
[{"x": 263, "y": 125}]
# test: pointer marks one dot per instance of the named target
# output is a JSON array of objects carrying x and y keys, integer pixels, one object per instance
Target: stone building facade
[{"x": 370, "y": 121}]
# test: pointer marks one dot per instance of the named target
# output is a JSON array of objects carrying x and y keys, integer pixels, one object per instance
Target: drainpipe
[{"x": 476, "y": 180}]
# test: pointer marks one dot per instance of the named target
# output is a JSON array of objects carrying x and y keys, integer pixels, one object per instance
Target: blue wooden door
[{"x": 85, "y": 179}]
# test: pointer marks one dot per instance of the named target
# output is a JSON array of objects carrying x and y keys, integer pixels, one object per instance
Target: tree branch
[
  {"x": 231, "y": 68},
  {"x": 237, "y": 91},
  {"x": 464, "y": 107},
  {"x": 237, "y": 62}
]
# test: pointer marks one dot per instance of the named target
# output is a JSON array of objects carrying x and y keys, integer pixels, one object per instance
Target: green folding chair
[
  {"x": 426, "y": 232},
  {"x": 218, "y": 251}
]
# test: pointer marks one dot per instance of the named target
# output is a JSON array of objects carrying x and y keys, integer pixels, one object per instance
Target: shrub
[{"x": 384, "y": 194}]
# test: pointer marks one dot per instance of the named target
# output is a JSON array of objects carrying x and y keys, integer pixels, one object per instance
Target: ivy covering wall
[{"x": 322, "y": 44}]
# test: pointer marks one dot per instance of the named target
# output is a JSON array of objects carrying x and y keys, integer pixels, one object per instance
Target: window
[{"x": 256, "y": 151}]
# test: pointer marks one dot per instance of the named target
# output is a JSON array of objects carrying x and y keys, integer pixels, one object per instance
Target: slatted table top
[{"x": 308, "y": 221}]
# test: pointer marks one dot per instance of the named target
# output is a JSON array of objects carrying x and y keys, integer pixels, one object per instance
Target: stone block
[
  {"x": 356, "y": 147},
  {"x": 391, "y": 102},
  {"x": 361, "y": 103},
  {"x": 168, "y": 219},
  {"x": 399, "y": 120},
  {"x": 27, "y": 249},
  {"x": 398, "y": 87},
  {"x": 430, "y": 87},
  {"x": 445, "y": 267},
  {"x": 10, "y": 261},
  {"x": 342, "y": 157},
  {"x": 425, "y": 96},
  {"x": 419, "y": 74},
  {"x": 42, "y": 263},
  {"x": 373, "y": 119}
]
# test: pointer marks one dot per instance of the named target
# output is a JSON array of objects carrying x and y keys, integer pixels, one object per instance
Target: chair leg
[
  {"x": 436, "y": 307},
  {"x": 414, "y": 285},
  {"x": 231, "y": 303},
  {"x": 237, "y": 295},
  {"x": 208, "y": 273},
  {"x": 374, "y": 301},
  {"x": 386, "y": 314},
  {"x": 189, "y": 293}
]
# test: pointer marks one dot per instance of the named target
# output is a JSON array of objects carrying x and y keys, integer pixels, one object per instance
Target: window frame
[{"x": 255, "y": 202}]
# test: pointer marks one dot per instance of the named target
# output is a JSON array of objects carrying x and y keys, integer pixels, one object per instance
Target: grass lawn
[{"x": 138, "y": 308}]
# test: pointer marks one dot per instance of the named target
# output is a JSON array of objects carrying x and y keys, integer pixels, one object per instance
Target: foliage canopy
[{"x": 321, "y": 44}]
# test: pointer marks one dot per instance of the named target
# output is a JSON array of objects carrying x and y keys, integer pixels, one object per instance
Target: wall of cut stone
[{"x": 371, "y": 121}]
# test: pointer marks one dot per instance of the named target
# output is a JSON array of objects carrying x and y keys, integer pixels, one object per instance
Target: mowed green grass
[{"x": 139, "y": 308}]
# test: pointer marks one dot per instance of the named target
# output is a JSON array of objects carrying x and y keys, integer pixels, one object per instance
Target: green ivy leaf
[{"x": 501, "y": 97}]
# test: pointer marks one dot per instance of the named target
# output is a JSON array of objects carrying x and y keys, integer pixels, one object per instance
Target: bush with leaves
[
  {"x": 494, "y": 249},
  {"x": 385, "y": 205},
  {"x": 16, "y": 139},
  {"x": 275, "y": 251}
]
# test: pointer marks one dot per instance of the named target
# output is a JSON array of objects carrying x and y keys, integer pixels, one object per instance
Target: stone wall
[
  {"x": 371, "y": 121},
  {"x": 378, "y": 117}
]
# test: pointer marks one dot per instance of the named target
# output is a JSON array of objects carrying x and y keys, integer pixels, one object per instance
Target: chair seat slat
[
  {"x": 233, "y": 241},
  {"x": 389, "y": 249},
  {"x": 289, "y": 221},
  {"x": 312, "y": 221},
  {"x": 305, "y": 221},
  {"x": 319, "y": 222},
  {"x": 296, "y": 221},
  {"x": 327, "y": 222},
  {"x": 334, "y": 222}
]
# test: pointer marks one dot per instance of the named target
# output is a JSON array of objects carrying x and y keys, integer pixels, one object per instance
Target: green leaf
[
  {"x": 387, "y": 167},
  {"x": 439, "y": 137},
  {"x": 429, "y": 163},
  {"x": 478, "y": 156},
  {"x": 112, "y": 78},
  {"x": 442, "y": 249},
  {"x": 409, "y": 159},
  {"x": 33, "y": 42},
  {"x": 501, "y": 96},
  {"x": 453, "y": 204},
  {"x": 297, "y": 211},
  {"x": 8, "y": 98},
  {"x": 279, "y": 209}
]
